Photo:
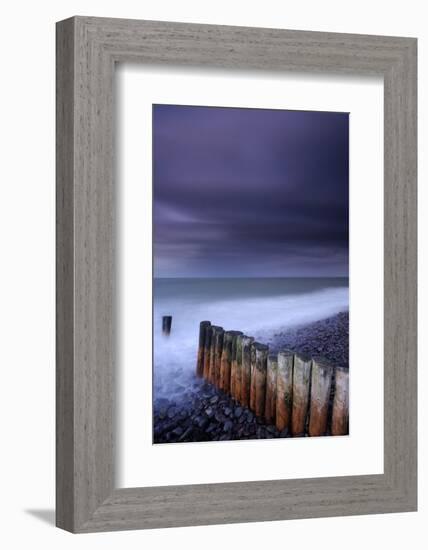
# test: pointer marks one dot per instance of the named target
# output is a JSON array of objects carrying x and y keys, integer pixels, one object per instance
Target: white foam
[{"x": 175, "y": 355}]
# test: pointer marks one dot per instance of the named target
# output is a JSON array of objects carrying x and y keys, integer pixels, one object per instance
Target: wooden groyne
[
  {"x": 300, "y": 395},
  {"x": 166, "y": 324}
]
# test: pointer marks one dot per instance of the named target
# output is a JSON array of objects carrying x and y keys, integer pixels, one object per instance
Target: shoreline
[
  {"x": 207, "y": 414},
  {"x": 327, "y": 337}
]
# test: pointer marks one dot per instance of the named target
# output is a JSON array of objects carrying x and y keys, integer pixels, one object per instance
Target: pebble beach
[{"x": 204, "y": 413}]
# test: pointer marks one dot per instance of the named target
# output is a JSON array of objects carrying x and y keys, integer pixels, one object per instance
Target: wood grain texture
[
  {"x": 64, "y": 277},
  {"x": 87, "y": 49}
]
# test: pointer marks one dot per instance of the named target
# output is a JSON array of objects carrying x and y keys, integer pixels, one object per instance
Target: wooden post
[
  {"x": 246, "y": 370},
  {"x": 219, "y": 337},
  {"x": 166, "y": 324},
  {"x": 233, "y": 372},
  {"x": 207, "y": 352},
  {"x": 271, "y": 376},
  {"x": 253, "y": 377},
  {"x": 238, "y": 371},
  {"x": 340, "y": 415},
  {"x": 201, "y": 349},
  {"x": 260, "y": 376},
  {"x": 322, "y": 375},
  {"x": 226, "y": 360},
  {"x": 301, "y": 388},
  {"x": 284, "y": 390},
  {"x": 214, "y": 332}
]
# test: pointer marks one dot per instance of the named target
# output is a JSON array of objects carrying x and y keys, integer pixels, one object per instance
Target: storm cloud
[{"x": 249, "y": 192}]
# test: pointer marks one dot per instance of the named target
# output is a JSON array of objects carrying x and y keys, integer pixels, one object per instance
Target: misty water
[{"x": 259, "y": 307}]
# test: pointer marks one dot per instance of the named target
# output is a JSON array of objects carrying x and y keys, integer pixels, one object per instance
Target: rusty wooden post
[
  {"x": 340, "y": 415},
  {"x": 166, "y": 324},
  {"x": 214, "y": 332},
  {"x": 207, "y": 352},
  {"x": 301, "y": 388},
  {"x": 233, "y": 372},
  {"x": 284, "y": 390},
  {"x": 238, "y": 371},
  {"x": 260, "y": 376},
  {"x": 246, "y": 370},
  {"x": 226, "y": 360},
  {"x": 217, "y": 355},
  {"x": 201, "y": 349},
  {"x": 322, "y": 375},
  {"x": 253, "y": 376},
  {"x": 271, "y": 375}
]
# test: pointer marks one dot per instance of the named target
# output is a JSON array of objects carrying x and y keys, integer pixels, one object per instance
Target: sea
[{"x": 259, "y": 307}]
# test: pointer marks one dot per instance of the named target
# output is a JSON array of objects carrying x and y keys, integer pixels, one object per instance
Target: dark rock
[
  {"x": 238, "y": 412},
  {"x": 168, "y": 426},
  {"x": 228, "y": 425},
  {"x": 261, "y": 432},
  {"x": 172, "y": 412},
  {"x": 209, "y": 412},
  {"x": 212, "y": 427},
  {"x": 201, "y": 422},
  {"x": 161, "y": 402}
]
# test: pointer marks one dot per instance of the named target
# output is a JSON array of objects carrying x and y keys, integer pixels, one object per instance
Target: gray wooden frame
[{"x": 87, "y": 50}]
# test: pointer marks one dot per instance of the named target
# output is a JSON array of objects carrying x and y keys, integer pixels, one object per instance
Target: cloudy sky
[{"x": 249, "y": 192}]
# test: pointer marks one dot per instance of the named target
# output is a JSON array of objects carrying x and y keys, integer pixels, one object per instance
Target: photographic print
[{"x": 250, "y": 274}]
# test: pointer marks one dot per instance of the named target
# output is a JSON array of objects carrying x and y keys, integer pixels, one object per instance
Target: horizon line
[{"x": 256, "y": 277}]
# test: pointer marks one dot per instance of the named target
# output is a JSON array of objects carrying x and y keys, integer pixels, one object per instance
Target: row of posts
[{"x": 300, "y": 395}]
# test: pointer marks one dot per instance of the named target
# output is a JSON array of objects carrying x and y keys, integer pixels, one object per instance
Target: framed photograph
[
  {"x": 250, "y": 229},
  {"x": 236, "y": 274}
]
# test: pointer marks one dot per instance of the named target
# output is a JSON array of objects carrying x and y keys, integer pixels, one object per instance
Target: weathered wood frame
[{"x": 87, "y": 50}]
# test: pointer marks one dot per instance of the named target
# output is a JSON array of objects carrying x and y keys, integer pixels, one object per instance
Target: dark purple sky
[{"x": 249, "y": 192}]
